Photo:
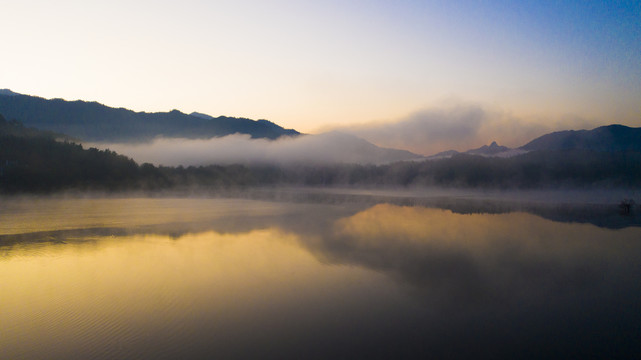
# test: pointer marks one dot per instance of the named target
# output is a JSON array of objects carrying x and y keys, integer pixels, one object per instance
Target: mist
[
  {"x": 460, "y": 127},
  {"x": 395, "y": 281},
  {"x": 333, "y": 147}
]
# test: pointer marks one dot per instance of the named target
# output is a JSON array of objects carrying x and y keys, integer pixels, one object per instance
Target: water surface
[{"x": 230, "y": 278}]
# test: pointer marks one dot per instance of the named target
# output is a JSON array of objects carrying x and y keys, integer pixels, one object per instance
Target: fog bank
[
  {"x": 459, "y": 127},
  {"x": 333, "y": 147}
]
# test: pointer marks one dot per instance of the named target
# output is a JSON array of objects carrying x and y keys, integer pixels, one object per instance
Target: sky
[{"x": 421, "y": 75}]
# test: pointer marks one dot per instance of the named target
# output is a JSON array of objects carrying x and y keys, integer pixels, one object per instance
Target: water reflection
[
  {"x": 201, "y": 278},
  {"x": 462, "y": 259},
  {"x": 195, "y": 296}
]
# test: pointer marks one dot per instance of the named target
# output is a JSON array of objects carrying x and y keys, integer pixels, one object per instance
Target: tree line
[{"x": 34, "y": 161}]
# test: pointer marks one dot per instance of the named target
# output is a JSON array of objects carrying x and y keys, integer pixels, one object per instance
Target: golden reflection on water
[
  {"x": 384, "y": 278},
  {"x": 112, "y": 291},
  {"x": 46, "y": 214},
  {"x": 385, "y": 226},
  {"x": 472, "y": 262}
]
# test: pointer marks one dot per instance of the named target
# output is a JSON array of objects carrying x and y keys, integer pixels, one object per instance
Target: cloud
[
  {"x": 460, "y": 127},
  {"x": 333, "y": 147},
  {"x": 458, "y": 124}
]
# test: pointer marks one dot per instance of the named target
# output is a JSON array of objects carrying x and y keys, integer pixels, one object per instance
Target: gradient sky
[{"x": 313, "y": 65}]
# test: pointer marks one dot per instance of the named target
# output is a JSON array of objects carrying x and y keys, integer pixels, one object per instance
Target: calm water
[{"x": 225, "y": 278}]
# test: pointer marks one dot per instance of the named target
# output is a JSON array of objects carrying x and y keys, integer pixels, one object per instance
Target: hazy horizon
[
  {"x": 137, "y": 236},
  {"x": 453, "y": 126},
  {"x": 362, "y": 67}
]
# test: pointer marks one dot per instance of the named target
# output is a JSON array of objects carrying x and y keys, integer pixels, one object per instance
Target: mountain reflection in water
[{"x": 224, "y": 278}]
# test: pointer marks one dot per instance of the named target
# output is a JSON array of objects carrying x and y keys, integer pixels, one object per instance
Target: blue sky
[{"x": 314, "y": 65}]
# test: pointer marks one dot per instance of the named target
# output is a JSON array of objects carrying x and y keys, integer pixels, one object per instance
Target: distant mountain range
[
  {"x": 610, "y": 138},
  {"x": 91, "y": 121},
  {"x": 493, "y": 150},
  {"x": 94, "y": 122},
  {"x": 33, "y": 160}
]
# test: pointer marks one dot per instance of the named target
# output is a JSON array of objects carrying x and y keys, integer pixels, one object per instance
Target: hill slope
[
  {"x": 91, "y": 121},
  {"x": 32, "y": 160},
  {"x": 611, "y": 138}
]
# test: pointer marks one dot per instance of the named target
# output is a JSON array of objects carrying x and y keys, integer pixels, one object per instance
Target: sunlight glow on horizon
[{"x": 323, "y": 64}]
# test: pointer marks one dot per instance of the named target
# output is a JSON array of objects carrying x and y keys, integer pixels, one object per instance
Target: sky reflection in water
[{"x": 238, "y": 278}]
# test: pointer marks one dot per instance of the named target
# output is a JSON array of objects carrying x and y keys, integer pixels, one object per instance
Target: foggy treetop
[{"x": 34, "y": 161}]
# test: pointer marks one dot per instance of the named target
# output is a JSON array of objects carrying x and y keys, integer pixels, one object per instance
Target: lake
[{"x": 316, "y": 277}]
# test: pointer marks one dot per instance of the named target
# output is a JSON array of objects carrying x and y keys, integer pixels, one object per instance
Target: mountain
[
  {"x": 7, "y": 92},
  {"x": 201, "y": 115},
  {"x": 339, "y": 147},
  {"x": 611, "y": 138},
  {"x": 493, "y": 149},
  {"x": 443, "y": 154},
  {"x": 91, "y": 121},
  {"x": 32, "y": 160}
]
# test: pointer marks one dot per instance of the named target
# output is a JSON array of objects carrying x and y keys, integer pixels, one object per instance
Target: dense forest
[
  {"x": 38, "y": 161},
  {"x": 42, "y": 162}
]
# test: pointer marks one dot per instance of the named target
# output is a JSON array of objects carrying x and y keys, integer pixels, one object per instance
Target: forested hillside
[
  {"x": 39, "y": 162},
  {"x": 34, "y": 161}
]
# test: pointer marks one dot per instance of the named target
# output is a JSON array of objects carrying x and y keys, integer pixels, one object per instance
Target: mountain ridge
[
  {"x": 92, "y": 121},
  {"x": 34, "y": 161},
  {"x": 8, "y": 92},
  {"x": 606, "y": 138},
  {"x": 95, "y": 122},
  {"x": 492, "y": 150}
]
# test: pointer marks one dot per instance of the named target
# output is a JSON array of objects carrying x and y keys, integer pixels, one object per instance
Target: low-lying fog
[{"x": 333, "y": 147}]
